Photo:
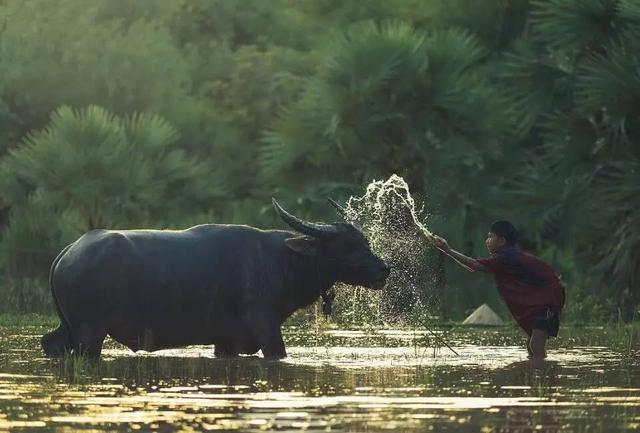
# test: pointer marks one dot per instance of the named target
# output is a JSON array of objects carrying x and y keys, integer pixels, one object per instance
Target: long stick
[
  {"x": 429, "y": 237},
  {"x": 441, "y": 340}
]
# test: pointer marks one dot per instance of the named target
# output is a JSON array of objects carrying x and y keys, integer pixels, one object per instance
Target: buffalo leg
[
  {"x": 225, "y": 351},
  {"x": 56, "y": 343},
  {"x": 273, "y": 347},
  {"x": 91, "y": 350},
  {"x": 88, "y": 341},
  {"x": 266, "y": 333}
]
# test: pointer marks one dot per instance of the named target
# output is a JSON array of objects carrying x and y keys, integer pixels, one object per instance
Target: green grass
[
  {"x": 28, "y": 319},
  {"x": 24, "y": 296},
  {"x": 624, "y": 338}
]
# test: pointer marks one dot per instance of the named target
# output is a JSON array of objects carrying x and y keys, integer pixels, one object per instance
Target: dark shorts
[{"x": 547, "y": 320}]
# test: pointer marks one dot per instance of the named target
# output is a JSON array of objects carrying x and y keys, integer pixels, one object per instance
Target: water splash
[
  {"x": 393, "y": 222},
  {"x": 381, "y": 200}
]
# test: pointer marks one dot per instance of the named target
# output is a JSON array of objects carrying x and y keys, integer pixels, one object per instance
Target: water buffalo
[{"x": 228, "y": 285}]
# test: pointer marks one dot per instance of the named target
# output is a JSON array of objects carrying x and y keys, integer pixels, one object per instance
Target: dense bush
[{"x": 118, "y": 114}]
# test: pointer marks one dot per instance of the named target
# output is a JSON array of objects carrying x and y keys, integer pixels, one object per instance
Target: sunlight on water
[{"x": 354, "y": 380}]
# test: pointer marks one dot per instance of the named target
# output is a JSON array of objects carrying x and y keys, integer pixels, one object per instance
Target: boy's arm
[{"x": 466, "y": 262}]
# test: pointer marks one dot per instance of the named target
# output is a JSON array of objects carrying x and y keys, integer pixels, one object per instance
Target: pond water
[{"x": 367, "y": 380}]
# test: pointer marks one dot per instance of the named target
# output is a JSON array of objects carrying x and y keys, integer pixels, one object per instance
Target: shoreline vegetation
[{"x": 353, "y": 306}]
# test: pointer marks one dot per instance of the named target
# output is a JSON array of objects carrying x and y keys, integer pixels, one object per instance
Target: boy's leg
[{"x": 537, "y": 343}]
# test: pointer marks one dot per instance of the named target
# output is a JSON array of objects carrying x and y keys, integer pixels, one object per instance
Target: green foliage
[
  {"x": 527, "y": 110},
  {"x": 536, "y": 81},
  {"x": 497, "y": 23},
  {"x": 338, "y": 14},
  {"x": 581, "y": 24},
  {"x": 610, "y": 87},
  {"x": 206, "y": 24},
  {"x": 44, "y": 320},
  {"x": 160, "y": 12},
  {"x": 248, "y": 87},
  {"x": 53, "y": 54},
  {"x": 385, "y": 98},
  {"x": 91, "y": 169},
  {"x": 613, "y": 246},
  {"x": 24, "y": 295}
]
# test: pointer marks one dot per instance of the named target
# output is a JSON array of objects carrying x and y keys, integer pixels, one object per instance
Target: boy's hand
[
  {"x": 440, "y": 243},
  {"x": 468, "y": 263}
]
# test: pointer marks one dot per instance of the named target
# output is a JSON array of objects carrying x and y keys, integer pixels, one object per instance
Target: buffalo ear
[{"x": 305, "y": 245}]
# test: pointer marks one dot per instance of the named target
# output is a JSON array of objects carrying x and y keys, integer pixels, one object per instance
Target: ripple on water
[{"x": 367, "y": 385}]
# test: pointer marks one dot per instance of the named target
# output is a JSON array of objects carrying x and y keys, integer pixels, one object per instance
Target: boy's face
[{"x": 494, "y": 243}]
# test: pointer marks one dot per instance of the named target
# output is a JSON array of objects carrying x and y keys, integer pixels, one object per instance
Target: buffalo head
[{"x": 342, "y": 246}]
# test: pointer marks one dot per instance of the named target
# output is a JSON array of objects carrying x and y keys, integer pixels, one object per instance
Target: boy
[{"x": 530, "y": 287}]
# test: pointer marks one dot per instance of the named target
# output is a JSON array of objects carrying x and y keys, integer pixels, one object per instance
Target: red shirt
[{"x": 526, "y": 284}]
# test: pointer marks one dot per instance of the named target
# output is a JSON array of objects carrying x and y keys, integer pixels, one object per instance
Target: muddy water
[{"x": 332, "y": 381}]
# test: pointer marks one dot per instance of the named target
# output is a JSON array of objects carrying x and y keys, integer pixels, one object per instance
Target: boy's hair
[{"x": 506, "y": 230}]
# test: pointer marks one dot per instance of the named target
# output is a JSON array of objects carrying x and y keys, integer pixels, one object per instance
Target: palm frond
[
  {"x": 577, "y": 24},
  {"x": 535, "y": 83},
  {"x": 608, "y": 92}
]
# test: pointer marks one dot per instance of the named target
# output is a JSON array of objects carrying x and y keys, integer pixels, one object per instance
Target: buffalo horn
[{"x": 305, "y": 227}]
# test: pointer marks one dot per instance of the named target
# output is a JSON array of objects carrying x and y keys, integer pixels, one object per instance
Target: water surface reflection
[{"x": 337, "y": 380}]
